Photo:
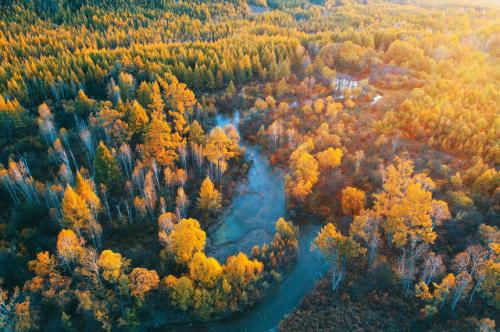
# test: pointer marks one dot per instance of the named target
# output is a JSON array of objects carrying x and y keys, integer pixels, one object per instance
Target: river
[{"x": 250, "y": 220}]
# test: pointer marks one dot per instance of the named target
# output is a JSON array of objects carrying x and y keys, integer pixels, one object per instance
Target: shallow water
[
  {"x": 250, "y": 220},
  {"x": 259, "y": 202}
]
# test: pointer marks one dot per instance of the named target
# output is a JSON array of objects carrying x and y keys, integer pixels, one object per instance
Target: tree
[
  {"x": 159, "y": 142},
  {"x": 230, "y": 90},
  {"x": 23, "y": 318},
  {"x": 218, "y": 149},
  {"x": 196, "y": 133},
  {"x": 144, "y": 96},
  {"x": 181, "y": 291},
  {"x": 46, "y": 124},
  {"x": 75, "y": 212},
  {"x": 137, "y": 118},
  {"x": 143, "y": 281},
  {"x": 186, "y": 239},
  {"x": 126, "y": 83},
  {"x": 205, "y": 270},
  {"x": 486, "y": 325},
  {"x": 405, "y": 206},
  {"x": 85, "y": 189},
  {"x": 106, "y": 168},
  {"x": 240, "y": 271},
  {"x": 366, "y": 227},
  {"x": 44, "y": 264},
  {"x": 337, "y": 248},
  {"x": 330, "y": 158},
  {"x": 433, "y": 267},
  {"x": 210, "y": 198},
  {"x": 157, "y": 105},
  {"x": 439, "y": 212},
  {"x": 489, "y": 289},
  {"x": 112, "y": 265},
  {"x": 305, "y": 173},
  {"x": 181, "y": 201},
  {"x": 165, "y": 226},
  {"x": 353, "y": 201},
  {"x": 69, "y": 246}
]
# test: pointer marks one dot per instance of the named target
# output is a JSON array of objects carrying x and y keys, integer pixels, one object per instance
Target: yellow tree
[
  {"x": 69, "y": 246},
  {"x": 304, "y": 174},
  {"x": 160, "y": 143},
  {"x": 353, "y": 201},
  {"x": 186, "y": 239},
  {"x": 137, "y": 118},
  {"x": 157, "y": 105},
  {"x": 80, "y": 212},
  {"x": 85, "y": 189},
  {"x": 405, "y": 204},
  {"x": 210, "y": 198},
  {"x": 406, "y": 207},
  {"x": 240, "y": 271},
  {"x": 205, "y": 270},
  {"x": 112, "y": 265},
  {"x": 366, "y": 227},
  {"x": 75, "y": 212},
  {"x": 143, "y": 281},
  {"x": 330, "y": 158},
  {"x": 44, "y": 264},
  {"x": 337, "y": 248},
  {"x": 218, "y": 149}
]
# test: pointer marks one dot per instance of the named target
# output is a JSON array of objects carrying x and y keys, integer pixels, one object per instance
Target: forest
[{"x": 249, "y": 165}]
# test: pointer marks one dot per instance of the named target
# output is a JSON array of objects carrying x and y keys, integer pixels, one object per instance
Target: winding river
[{"x": 250, "y": 220}]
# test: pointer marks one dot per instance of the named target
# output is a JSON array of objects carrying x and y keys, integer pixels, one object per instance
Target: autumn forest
[{"x": 249, "y": 165}]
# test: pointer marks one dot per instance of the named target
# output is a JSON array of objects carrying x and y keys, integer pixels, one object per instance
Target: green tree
[{"x": 106, "y": 168}]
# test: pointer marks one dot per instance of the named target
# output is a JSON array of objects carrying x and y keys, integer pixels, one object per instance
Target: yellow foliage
[
  {"x": 204, "y": 270},
  {"x": 112, "y": 264},
  {"x": 186, "y": 239},
  {"x": 442, "y": 290},
  {"x": 210, "y": 198},
  {"x": 330, "y": 158},
  {"x": 85, "y": 189},
  {"x": 353, "y": 201},
  {"x": 69, "y": 246},
  {"x": 334, "y": 245},
  {"x": 219, "y": 148},
  {"x": 44, "y": 264},
  {"x": 159, "y": 142},
  {"x": 75, "y": 212},
  {"x": 406, "y": 205},
  {"x": 143, "y": 281},
  {"x": 239, "y": 270},
  {"x": 422, "y": 291}
]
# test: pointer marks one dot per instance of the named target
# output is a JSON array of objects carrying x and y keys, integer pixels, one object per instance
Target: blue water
[{"x": 250, "y": 220}]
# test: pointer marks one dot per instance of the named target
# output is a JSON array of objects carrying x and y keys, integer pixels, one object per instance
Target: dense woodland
[{"x": 383, "y": 115}]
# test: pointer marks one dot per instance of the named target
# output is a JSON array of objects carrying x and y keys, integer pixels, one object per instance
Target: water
[
  {"x": 259, "y": 203},
  {"x": 250, "y": 220}
]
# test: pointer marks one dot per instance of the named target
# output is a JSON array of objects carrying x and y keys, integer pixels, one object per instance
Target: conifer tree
[
  {"x": 210, "y": 198},
  {"x": 106, "y": 168}
]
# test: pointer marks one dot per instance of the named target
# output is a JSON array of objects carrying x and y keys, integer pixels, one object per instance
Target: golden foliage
[
  {"x": 186, "y": 239},
  {"x": 143, "y": 281},
  {"x": 205, "y": 270},
  {"x": 353, "y": 201},
  {"x": 210, "y": 198}
]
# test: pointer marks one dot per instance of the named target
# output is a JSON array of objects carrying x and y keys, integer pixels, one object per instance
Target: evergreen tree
[{"x": 106, "y": 169}]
